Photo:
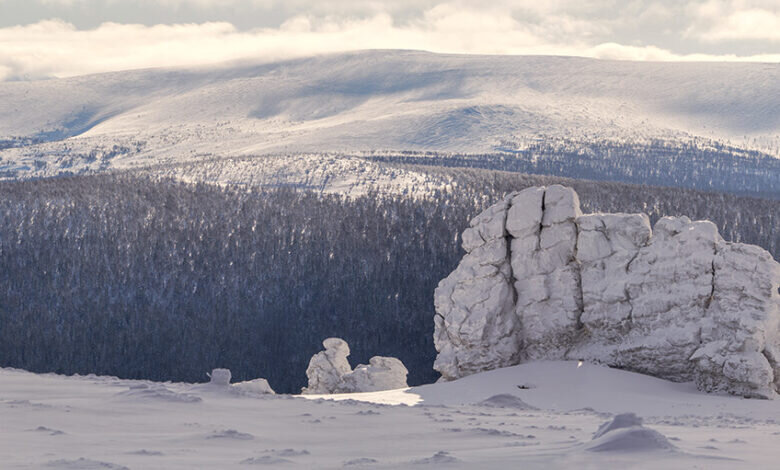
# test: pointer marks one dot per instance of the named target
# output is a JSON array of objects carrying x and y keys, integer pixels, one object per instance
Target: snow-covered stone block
[
  {"x": 676, "y": 301},
  {"x": 254, "y": 387}
]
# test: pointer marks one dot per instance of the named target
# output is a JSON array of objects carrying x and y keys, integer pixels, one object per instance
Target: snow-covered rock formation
[
  {"x": 329, "y": 372},
  {"x": 381, "y": 373},
  {"x": 542, "y": 281},
  {"x": 327, "y": 368},
  {"x": 221, "y": 378}
]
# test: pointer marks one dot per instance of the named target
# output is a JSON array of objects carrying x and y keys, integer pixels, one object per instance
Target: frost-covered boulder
[
  {"x": 254, "y": 387},
  {"x": 381, "y": 373},
  {"x": 327, "y": 368},
  {"x": 329, "y": 372},
  {"x": 542, "y": 281},
  {"x": 220, "y": 377}
]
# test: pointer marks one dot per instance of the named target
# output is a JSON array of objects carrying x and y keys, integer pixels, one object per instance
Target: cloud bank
[{"x": 590, "y": 28}]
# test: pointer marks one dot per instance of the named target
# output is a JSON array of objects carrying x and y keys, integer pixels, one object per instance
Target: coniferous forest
[{"x": 140, "y": 277}]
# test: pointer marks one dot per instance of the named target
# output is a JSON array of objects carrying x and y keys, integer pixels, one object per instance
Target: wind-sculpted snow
[
  {"x": 329, "y": 372},
  {"x": 542, "y": 281}
]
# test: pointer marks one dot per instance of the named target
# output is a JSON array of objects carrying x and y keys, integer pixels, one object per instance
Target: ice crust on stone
[
  {"x": 329, "y": 372},
  {"x": 542, "y": 281}
]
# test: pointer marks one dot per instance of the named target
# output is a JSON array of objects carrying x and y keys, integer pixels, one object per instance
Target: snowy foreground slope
[
  {"x": 481, "y": 421},
  {"x": 364, "y": 101}
]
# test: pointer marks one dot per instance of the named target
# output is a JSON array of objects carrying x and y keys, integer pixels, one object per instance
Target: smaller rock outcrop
[
  {"x": 254, "y": 387},
  {"x": 329, "y": 372},
  {"x": 327, "y": 368},
  {"x": 381, "y": 373},
  {"x": 220, "y": 377}
]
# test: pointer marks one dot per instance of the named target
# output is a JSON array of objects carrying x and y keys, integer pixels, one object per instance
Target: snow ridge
[{"x": 675, "y": 301}]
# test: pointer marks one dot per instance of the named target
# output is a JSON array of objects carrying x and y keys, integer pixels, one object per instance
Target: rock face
[
  {"x": 542, "y": 281},
  {"x": 329, "y": 372},
  {"x": 220, "y": 377},
  {"x": 381, "y": 373},
  {"x": 327, "y": 368}
]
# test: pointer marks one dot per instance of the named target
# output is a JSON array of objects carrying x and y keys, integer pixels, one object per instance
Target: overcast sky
[{"x": 44, "y": 38}]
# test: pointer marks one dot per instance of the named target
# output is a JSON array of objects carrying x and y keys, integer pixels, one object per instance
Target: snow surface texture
[
  {"x": 542, "y": 281},
  {"x": 484, "y": 421},
  {"x": 329, "y": 372}
]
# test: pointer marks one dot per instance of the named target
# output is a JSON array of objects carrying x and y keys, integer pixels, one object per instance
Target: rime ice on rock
[
  {"x": 741, "y": 353},
  {"x": 329, "y": 372},
  {"x": 381, "y": 373},
  {"x": 542, "y": 281},
  {"x": 543, "y": 249},
  {"x": 326, "y": 368},
  {"x": 220, "y": 377},
  {"x": 606, "y": 245},
  {"x": 254, "y": 387},
  {"x": 479, "y": 330}
]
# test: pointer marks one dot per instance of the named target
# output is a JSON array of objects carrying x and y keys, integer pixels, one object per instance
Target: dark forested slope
[{"x": 145, "y": 278}]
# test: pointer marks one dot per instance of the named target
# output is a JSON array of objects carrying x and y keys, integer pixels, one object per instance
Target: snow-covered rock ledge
[{"x": 542, "y": 281}]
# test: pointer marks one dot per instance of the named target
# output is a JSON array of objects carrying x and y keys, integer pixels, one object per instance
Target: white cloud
[
  {"x": 753, "y": 24},
  {"x": 57, "y": 48},
  {"x": 734, "y": 20}
]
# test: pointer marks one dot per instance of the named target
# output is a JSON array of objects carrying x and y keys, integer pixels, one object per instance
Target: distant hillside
[{"x": 723, "y": 117}]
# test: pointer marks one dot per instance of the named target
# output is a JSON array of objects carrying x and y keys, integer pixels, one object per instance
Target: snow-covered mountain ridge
[{"x": 357, "y": 102}]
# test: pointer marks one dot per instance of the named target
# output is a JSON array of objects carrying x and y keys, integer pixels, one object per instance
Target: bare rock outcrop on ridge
[{"x": 542, "y": 281}]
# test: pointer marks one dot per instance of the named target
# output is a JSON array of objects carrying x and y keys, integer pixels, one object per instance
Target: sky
[{"x": 59, "y": 38}]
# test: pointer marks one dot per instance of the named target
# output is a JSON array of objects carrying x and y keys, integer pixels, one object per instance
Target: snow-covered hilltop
[
  {"x": 542, "y": 281},
  {"x": 364, "y": 101}
]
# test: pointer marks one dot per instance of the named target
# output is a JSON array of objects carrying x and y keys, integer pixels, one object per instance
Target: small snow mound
[
  {"x": 265, "y": 460},
  {"x": 625, "y": 433},
  {"x": 150, "y": 453},
  {"x": 220, "y": 377},
  {"x": 505, "y": 400},
  {"x": 289, "y": 452},
  {"x": 50, "y": 431},
  {"x": 156, "y": 391},
  {"x": 440, "y": 457},
  {"x": 360, "y": 461},
  {"x": 84, "y": 464},
  {"x": 230, "y": 434},
  {"x": 624, "y": 420}
]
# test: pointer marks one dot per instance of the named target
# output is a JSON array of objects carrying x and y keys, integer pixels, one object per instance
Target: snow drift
[{"x": 542, "y": 281}]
